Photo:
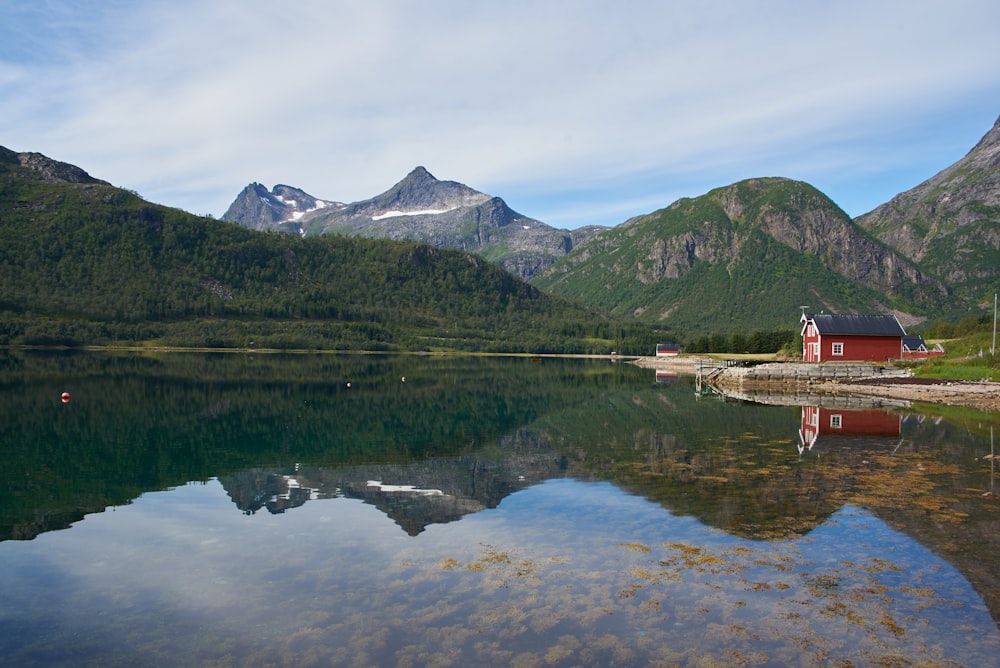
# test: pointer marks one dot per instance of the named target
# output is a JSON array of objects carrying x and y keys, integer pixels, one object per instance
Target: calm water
[{"x": 231, "y": 510}]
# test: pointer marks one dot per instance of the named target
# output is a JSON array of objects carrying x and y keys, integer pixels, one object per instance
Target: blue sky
[{"x": 574, "y": 112}]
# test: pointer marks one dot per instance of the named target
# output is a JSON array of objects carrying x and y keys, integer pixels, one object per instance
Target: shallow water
[{"x": 223, "y": 510}]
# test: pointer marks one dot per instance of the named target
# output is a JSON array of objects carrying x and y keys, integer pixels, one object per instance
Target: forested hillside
[{"x": 82, "y": 262}]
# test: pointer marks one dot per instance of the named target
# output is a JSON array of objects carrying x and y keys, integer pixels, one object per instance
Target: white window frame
[
  {"x": 837, "y": 349},
  {"x": 836, "y": 421}
]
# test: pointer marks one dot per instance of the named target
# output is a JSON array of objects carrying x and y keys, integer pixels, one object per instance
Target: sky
[{"x": 574, "y": 112}]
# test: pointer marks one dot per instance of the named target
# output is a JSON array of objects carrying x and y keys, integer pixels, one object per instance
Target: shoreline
[{"x": 980, "y": 395}]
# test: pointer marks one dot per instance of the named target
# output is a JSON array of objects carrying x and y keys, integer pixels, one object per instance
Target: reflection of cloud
[
  {"x": 186, "y": 548},
  {"x": 178, "y": 573},
  {"x": 344, "y": 99}
]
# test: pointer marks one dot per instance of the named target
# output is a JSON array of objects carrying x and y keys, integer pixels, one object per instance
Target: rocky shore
[{"x": 884, "y": 382}]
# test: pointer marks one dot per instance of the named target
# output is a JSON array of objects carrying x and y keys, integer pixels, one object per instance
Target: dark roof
[
  {"x": 913, "y": 342},
  {"x": 864, "y": 325}
]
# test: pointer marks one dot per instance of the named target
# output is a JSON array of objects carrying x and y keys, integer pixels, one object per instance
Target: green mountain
[
  {"x": 950, "y": 223},
  {"x": 748, "y": 256},
  {"x": 83, "y": 262}
]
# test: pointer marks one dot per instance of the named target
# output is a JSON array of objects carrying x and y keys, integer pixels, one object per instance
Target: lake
[{"x": 379, "y": 510}]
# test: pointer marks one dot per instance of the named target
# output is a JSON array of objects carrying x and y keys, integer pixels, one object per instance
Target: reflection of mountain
[
  {"x": 469, "y": 428},
  {"x": 277, "y": 491},
  {"x": 733, "y": 466},
  {"x": 939, "y": 490},
  {"x": 140, "y": 423},
  {"x": 414, "y": 495},
  {"x": 825, "y": 429}
]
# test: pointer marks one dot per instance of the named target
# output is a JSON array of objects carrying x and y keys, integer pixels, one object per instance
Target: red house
[
  {"x": 667, "y": 349},
  {"x": 851, "y": 338}
]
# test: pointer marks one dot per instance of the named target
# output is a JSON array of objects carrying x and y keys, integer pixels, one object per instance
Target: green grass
[
  {"x": 961, "y": 360},
  {"x": 985, "y": 368}
]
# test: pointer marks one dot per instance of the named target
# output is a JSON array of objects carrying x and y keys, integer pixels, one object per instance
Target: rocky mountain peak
[
  {"x": 419, "y": 175},
  {"x": 949, "y": 223},
  {"x": 297, "y": 200},
  {"x": 986, "y": 153},
  {"x": 257, "y": 208},
  {"x": 419, "y": 191}
]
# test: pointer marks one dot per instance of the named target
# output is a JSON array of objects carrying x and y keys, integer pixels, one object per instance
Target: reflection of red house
[
  {"x": 851, "y": 338},
  {"x": 847, "y": 427},
  {"x": 666, "y": 376}
]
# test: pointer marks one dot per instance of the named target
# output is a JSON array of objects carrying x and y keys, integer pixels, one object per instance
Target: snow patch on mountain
[
  {"x": 320, "y": 204},
  {"x": 424, "y": 212}
]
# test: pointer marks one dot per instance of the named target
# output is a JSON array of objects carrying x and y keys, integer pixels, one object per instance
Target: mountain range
[
  {"x": 749, "y": 255},
  {"x": 418, "y": 208},
  {"x": 83, "y": 262}
]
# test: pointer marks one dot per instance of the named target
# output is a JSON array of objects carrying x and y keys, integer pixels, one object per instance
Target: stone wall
[{"x": 799, "y": 373}]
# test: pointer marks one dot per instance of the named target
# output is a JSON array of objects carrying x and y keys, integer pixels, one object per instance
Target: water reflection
[
  {"x": 414, "y": 495},
  {"x": 831, "y": 428},
  {"x": 236, "y": 511}
]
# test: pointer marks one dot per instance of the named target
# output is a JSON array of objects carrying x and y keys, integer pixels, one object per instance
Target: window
[
  {"x": 835, "y": 421},
  {"x": 838, "y": 349}
]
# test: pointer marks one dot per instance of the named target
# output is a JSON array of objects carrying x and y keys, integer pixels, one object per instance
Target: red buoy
[{"x": 65, "y": 397}]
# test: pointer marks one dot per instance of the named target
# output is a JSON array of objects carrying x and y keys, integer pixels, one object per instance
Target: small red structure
[
  {"x": 914, "y": 348},
  {"x": 851, "y": 338},
  {"x": 667, "y": 349}
]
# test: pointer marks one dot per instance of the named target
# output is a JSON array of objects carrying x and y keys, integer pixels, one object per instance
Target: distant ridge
[{"x": 446, "y": 214}]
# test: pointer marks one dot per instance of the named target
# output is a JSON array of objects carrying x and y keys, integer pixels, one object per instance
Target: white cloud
[{"x": 193, "y": 100}]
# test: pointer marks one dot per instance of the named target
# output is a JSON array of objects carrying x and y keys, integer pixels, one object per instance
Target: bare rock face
[
  {"x": 281, "y": 208},
  {"x": 446, "y": 214},
  {"x": 51, "y": 171},
  {"x": 950, "y": 223},
  {"x": 793, "y": 214},
  {"x": 808, "y": 222}
]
